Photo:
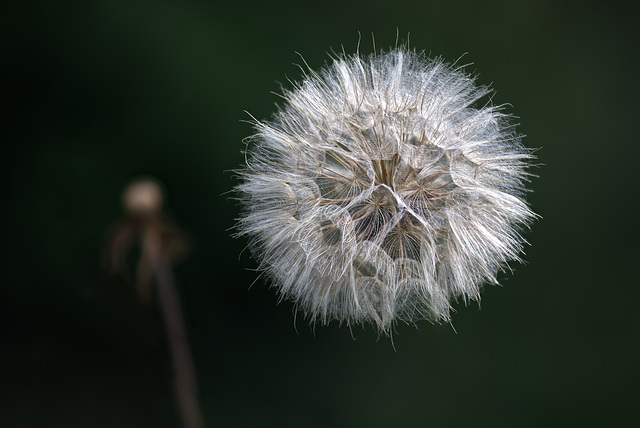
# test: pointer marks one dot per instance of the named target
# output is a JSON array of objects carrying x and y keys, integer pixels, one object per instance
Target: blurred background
[{"x": 99, "y": 92}]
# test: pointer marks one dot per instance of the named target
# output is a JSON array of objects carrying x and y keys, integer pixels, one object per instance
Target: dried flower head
[{"x": 379, "y": 192}]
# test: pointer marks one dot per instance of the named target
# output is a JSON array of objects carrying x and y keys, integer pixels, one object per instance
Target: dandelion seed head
[{"x": 380, "y": 191}]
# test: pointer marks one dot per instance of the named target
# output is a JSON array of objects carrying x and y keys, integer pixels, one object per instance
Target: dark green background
[{"x": 101, "y": 91}]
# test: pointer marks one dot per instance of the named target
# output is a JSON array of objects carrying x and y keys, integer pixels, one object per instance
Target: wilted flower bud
[{"x": 379, "y": 192}]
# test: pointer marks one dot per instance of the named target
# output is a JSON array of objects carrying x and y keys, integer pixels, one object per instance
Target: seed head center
[{"x": 385, "y": 170}]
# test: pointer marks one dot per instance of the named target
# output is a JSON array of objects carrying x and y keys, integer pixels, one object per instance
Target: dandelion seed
[{"x": 380, "y": 192}]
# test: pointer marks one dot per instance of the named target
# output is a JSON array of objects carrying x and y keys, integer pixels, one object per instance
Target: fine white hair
[{"x": 381, "y": 192}]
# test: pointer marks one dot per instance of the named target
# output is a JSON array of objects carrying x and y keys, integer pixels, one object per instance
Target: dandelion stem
[{"x": 184, "y": 381}]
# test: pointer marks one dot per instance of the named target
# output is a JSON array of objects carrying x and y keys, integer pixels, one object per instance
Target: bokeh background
[{"x": 99, "y": 92}]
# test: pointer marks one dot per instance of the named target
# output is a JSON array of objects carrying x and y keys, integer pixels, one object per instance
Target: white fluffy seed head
[{"x": 379, "y": 192}]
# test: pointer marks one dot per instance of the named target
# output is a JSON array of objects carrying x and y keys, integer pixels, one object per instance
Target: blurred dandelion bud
[
  {"x": 148, "y": 227},
  {"x": 143, "y": 197},
  {"x": 380, "y": 192},
  {"x": 161, "y": 244}
]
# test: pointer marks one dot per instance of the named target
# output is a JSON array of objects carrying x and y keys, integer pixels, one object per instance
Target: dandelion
[{"x": 381, "y": 192}]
